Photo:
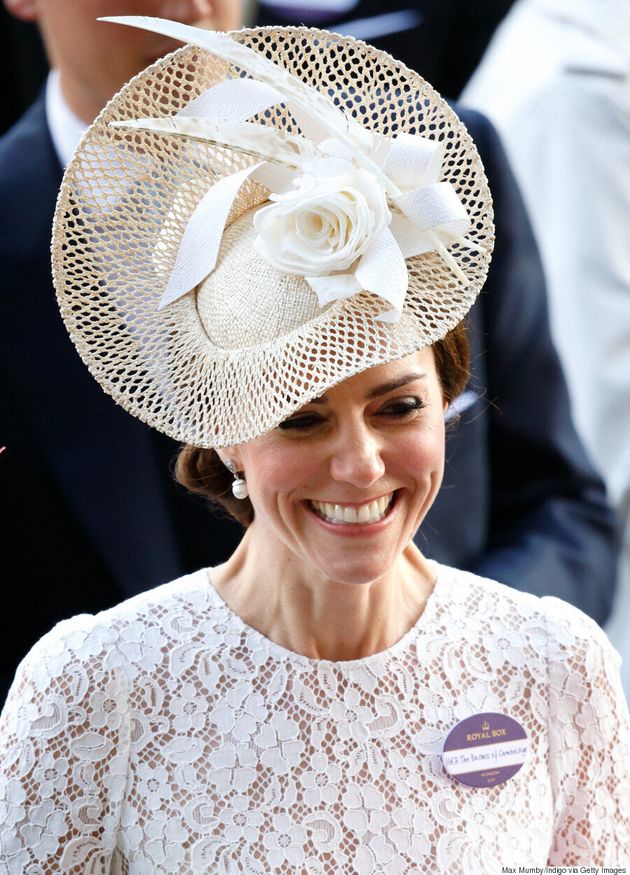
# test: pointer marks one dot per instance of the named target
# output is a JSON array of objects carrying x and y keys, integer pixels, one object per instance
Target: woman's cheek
[
  {"x": 279, "y": 471},
  {"x": 427, "y": 445}
]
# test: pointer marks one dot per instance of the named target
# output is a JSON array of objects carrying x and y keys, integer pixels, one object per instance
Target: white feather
[
  {"x": 262, "y": 141},
  {"x": 310, "y": 101}
]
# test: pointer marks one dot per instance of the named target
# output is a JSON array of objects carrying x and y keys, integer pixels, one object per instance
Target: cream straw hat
[{"x": 251, "y": 238}]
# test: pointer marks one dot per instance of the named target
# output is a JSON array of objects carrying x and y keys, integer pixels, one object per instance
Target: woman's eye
[
  {"x": 402, "y": 407},
  {"x": 301, "y": 423}
]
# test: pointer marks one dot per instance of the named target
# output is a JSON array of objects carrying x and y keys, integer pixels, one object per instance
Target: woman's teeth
[{"x": 363, "y": 515}]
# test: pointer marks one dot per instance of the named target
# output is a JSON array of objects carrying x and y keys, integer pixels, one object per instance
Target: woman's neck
[{"x": 265, "y": 584}]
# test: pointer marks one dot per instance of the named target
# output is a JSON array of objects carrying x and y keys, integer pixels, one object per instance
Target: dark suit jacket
[
  {"x": 90, "y": 514},
  {"x": 520, "y": 501}
]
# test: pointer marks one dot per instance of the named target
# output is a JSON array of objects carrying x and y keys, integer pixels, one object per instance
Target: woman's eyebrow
[{"x": 384, "y": 388}]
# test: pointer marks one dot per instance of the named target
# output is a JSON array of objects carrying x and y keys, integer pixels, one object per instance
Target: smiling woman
[
  {"x": 265, "y": 248},
  {"x": 340, "y": 488},
  {"x": 202, "y": 471}
]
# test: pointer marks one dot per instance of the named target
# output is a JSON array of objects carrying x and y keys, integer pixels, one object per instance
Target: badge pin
[{"x": 485, "y": 749}]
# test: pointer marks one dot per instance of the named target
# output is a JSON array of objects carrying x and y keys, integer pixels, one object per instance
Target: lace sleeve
[
  {"x": 64, "y": 742},
  {"x": 589, "y": 752}
]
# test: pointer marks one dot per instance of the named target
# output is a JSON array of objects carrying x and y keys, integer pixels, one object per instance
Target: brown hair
[{"x": 203, "y": 472}]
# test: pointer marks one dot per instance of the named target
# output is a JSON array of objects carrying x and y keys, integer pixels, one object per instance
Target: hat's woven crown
[{"x": 263, "y": 304}]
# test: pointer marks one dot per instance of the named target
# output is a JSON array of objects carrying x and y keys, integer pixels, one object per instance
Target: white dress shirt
[
  {"x": 66, "y": 129},
  {"x": 556, "y": 82}
]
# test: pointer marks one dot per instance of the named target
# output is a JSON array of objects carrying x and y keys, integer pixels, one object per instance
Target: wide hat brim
[{"x": 123, "y": 207}]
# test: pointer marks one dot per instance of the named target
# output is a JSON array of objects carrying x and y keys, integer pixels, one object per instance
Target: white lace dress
[{"x": 166, "y": 736}]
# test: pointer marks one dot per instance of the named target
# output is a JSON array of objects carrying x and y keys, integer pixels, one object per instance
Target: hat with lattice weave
[{"x": 257, "y": 217}]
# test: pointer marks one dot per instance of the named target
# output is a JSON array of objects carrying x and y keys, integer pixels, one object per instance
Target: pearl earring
[{"x": 239, "y": 487}]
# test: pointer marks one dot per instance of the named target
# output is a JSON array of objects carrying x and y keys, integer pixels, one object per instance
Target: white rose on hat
[{"x": 325, "y": 223}]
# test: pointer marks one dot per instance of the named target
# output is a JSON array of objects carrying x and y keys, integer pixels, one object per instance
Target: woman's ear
[
  {"x": 25, "y": 10},
  {"x": 229, "y": 458}
]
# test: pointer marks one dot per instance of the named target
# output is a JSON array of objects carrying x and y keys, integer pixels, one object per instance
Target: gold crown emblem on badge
[{"x": 485, "y": 726}]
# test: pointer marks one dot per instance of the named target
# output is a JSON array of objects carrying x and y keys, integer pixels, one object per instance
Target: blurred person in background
[
  {"x": 556, "y": 81},
  {"x": 91, "y": 513}
]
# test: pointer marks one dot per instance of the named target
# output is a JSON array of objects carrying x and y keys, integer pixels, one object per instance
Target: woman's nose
[{"x": 356, "y": 457}]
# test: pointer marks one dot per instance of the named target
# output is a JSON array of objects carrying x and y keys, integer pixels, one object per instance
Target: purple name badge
[{"x": 485, "y": 749}]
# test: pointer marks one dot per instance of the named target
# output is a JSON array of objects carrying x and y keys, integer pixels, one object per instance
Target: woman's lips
[{"x": 358, "y": 515}]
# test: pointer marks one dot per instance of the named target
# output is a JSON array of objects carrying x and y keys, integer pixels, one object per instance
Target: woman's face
[{"x": 345, "y": 482}]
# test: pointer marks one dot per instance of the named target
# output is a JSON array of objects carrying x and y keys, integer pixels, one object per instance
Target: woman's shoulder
[
  {"x": 132, "y": 632},
  {"x": 556, "y": 626},
  {"x": 185, "y": 594}
]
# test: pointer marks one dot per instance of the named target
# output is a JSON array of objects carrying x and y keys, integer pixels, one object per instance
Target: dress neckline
[{"x": 437, "y": 597}]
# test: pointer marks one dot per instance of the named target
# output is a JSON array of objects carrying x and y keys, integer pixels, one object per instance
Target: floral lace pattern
[{"x": 166, "y": 736}]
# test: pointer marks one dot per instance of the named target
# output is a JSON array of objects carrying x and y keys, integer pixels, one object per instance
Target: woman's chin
[{"x": 358, "y": 573}]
